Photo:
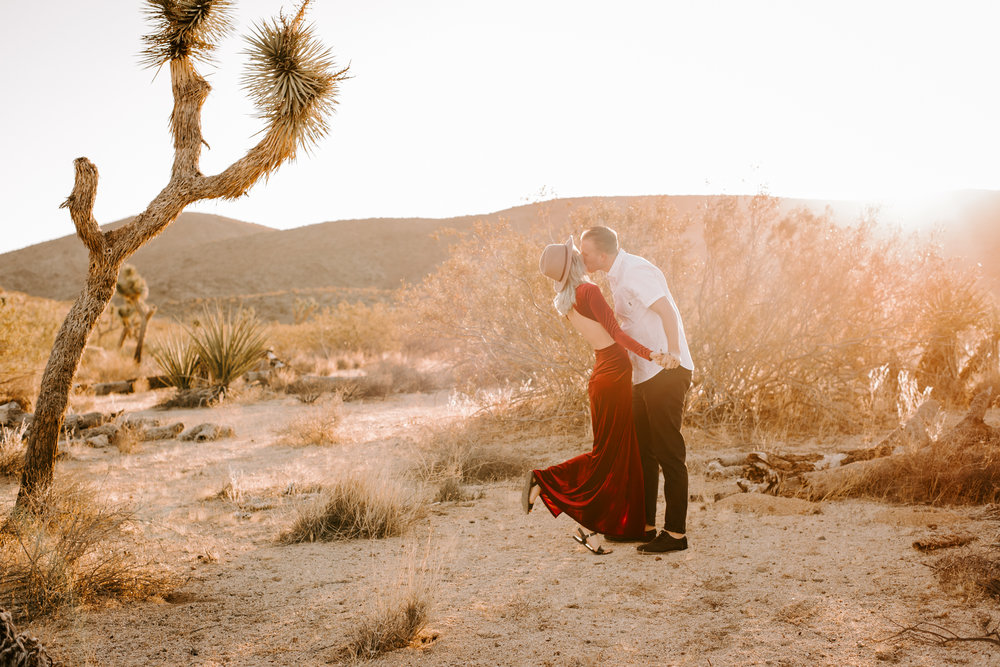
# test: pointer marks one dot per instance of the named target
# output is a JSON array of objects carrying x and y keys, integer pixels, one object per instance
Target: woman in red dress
[{"x": 601, "y": 490}]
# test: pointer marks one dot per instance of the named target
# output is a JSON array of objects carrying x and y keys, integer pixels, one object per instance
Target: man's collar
[{"x": 618, "y": 265}]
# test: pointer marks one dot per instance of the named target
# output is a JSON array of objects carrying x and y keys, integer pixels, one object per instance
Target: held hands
[{"x": 665, "y": 359}]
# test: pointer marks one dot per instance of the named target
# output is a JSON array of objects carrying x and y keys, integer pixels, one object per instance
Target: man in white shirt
[{"x": 647, "y": 312}]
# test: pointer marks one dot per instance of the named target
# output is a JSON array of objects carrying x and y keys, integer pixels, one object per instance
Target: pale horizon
[{"x": 464, "y": 110}]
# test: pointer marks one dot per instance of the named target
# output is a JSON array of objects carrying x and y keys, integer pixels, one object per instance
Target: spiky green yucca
[
  {"x": 178, "y": 360},
  {"x": 228, "y": 343}
]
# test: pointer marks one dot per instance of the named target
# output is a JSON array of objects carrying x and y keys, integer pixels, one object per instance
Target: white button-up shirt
[{"x": 636, "y": 285}]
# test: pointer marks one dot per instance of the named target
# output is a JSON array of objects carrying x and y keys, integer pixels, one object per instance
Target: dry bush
[
  {"x": 789, "y": 316},
  {"x": 100, "y": 365},
  {"x": 450, "y": 489},
  {"x": 354, "y": 507},
  {"x": 970, "y": 575},
  {"x": 72, "y": 549},
  {"x": 342, "y": 329},
  {"x": 392, "y": 376},
  {"x": 395, "y": 615},
  {"x": 27, "y": 331},
  {"x": 470, "y": 451},
  {"x": 966, "y": 476},
  {"x": 255, "y": 493},
  {"x": 126, "y": 437},
  {"x": 489, "y": 301},
  {"x": 321, "y": 426},
  {"x": 391, "y": 626},
  {"x": 12, "y": 449}
]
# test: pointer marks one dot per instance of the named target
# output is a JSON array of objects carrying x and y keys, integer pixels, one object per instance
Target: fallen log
[
  {"x": 961, "y": 465},
  {"x": 122, "y": 387}
]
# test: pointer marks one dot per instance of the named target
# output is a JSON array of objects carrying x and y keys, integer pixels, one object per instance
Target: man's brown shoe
[{"x": 663, "y": 543}]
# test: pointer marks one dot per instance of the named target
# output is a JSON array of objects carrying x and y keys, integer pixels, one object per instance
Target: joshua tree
[
  {"x": 291, "y": 79},
  {"x": 136, "y": 313}
]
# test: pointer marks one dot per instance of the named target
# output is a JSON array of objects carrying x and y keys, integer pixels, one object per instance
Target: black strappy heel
[{"x": 582, "y": 537}]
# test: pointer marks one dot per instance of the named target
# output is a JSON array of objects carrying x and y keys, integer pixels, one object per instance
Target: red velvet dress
[{"x": 602, "y": 490}]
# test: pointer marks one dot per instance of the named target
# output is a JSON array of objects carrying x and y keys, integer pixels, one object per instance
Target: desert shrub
[
  {"x": 956, "y": 477},
  {"x": 791, "y": 318},
  {"x": 390, "y": 626},
  {"x": 450, "y": 489},
  {"x": 395, "y": 614},
  {"x": 216, "y": 350},
  {"x": 970, "y": 575},
  {"x": 177, "y": 357},
  {"x": 12, "y": 450},
  {"x": 126, "y": 437},
  {"x": 387, "y": 376},
  {"x": 69, "y": 550},
  {"x": 494, "y": 307},
  {"x": 960, "y": 331},
  {"x": 354, "y": 507},
  {"x": 228, "y": 343},
  {"x": 28, "y": 329},
  {"x": 371, "y": 329},
  {"x": 470, "y": 451},
  {"x": 320, "y": 426}
]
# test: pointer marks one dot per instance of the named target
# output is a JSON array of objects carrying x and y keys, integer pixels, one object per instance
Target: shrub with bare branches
[
  {"x": 490, "y": 301},
  {"x": 12, "y": 450},
  {"x": 72, "y": 549},
  {"x": 790, "y": 317}
]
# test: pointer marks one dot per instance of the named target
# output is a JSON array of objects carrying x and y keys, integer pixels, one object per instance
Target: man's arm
[{"x": 667, "y": 315}]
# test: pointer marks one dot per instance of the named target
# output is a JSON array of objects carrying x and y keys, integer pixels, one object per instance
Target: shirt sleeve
[{"x": 604, "y": 316}]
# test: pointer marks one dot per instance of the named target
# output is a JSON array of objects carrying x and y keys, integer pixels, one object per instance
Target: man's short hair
[{"x": 604, "y": 239}]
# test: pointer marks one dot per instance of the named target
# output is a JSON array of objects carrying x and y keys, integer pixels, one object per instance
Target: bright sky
[{"x": 460, "y": 107}]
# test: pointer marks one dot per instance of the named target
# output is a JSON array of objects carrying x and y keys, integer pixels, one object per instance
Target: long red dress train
[{"x": 602, "y": 490}]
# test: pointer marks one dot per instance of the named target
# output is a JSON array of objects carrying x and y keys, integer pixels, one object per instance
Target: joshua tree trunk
[
  {"x": 145, "y": 315},
  {"x": 294, "y": 87},
  {"x": 53, "y": 394}
]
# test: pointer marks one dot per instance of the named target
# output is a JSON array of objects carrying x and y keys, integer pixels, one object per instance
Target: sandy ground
[{"x": 766, "y": 581}]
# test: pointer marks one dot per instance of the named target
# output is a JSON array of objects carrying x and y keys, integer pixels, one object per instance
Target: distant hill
[
  {"x": 57, "y": 269},
  {"x": 202, "y": 256}
]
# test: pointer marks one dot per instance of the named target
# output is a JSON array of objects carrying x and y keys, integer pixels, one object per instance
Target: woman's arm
[{"x": 602, "y": 312}]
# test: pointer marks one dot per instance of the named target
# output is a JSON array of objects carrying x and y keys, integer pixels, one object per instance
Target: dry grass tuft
[
  {"x": 354, "y": 507},
  {"x": 471, "y": 451},
  {"x": 388, "y": 628},
  {"x": 396, "y": 615},
  {"x": 320, "y": 427},
  {"x": 12, "y": 449},
  {"x": 971, "y": 575},
  {"x": 256, "y": 493},
  {"x": 126, "y": 437},
  {"x": 451, "y": 490},
  {"x": 72, "y": 550}
]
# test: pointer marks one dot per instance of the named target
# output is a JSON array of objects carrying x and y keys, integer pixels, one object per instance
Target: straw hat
[{"x": 555, "y": 262}]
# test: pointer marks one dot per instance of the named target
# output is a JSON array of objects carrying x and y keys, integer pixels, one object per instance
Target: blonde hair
[{"x": 566, "y": 299}]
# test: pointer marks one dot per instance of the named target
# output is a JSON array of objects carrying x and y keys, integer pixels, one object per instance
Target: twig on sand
[{"x": 937, "y": 634}]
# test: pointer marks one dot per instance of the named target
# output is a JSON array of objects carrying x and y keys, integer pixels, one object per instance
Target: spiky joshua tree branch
[{"x": 293, "y": 82}]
